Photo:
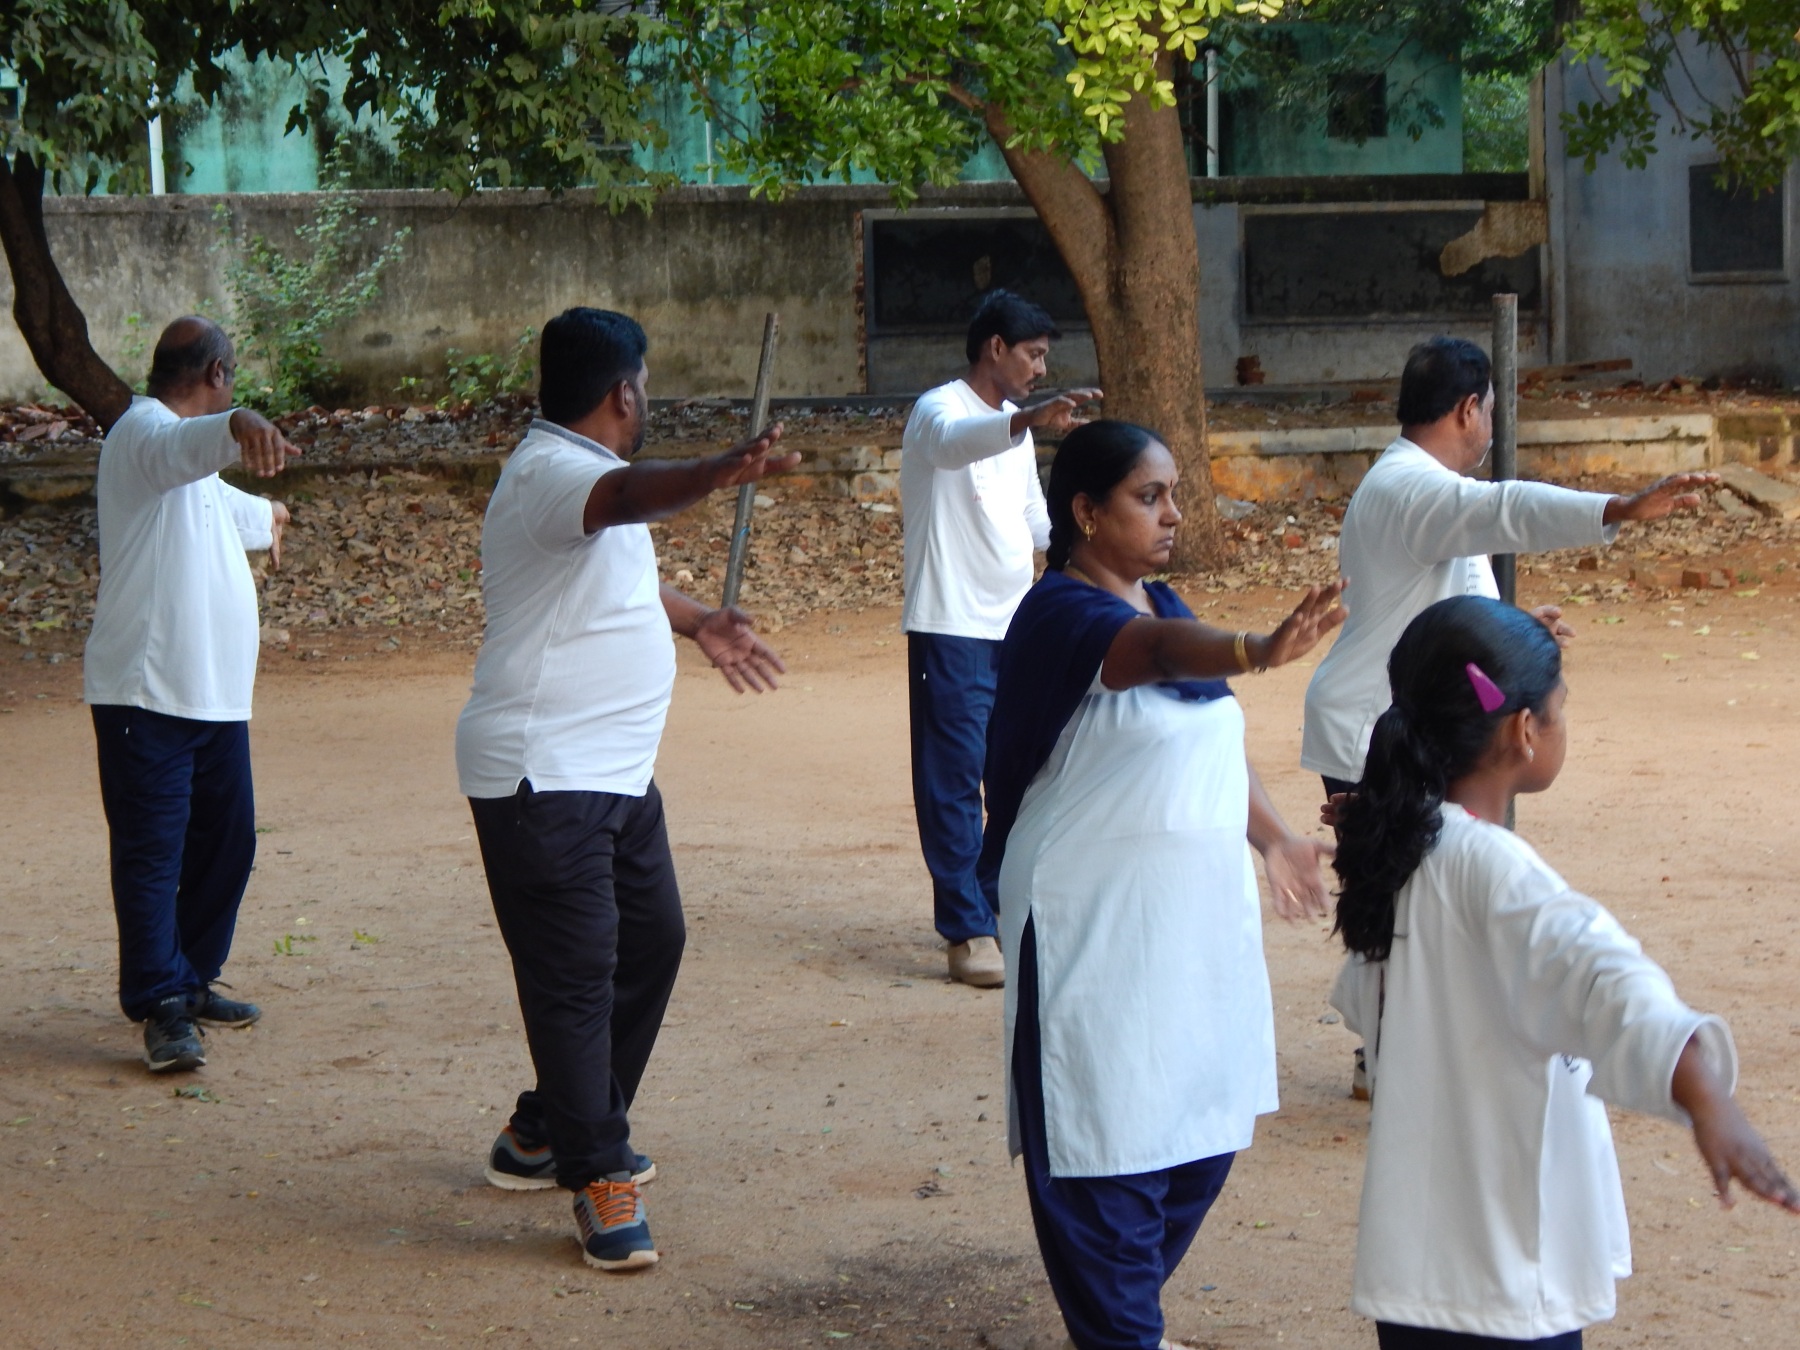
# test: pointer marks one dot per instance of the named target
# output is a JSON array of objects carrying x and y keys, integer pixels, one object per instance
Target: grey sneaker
[
  {"x": 513, "y": 1167},
  {"x": 171, "y": 1040},
  {"x": 214, "y": 1009},
  {"x": 611, "y": 1224}
]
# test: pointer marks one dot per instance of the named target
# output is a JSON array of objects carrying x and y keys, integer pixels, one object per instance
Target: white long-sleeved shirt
[
  {"x": 1508, "y": 1011},
  {"x": 175, "y": 625},
  {"x": 974, "y": 511},
  {"x": 1416, "y": 533}
]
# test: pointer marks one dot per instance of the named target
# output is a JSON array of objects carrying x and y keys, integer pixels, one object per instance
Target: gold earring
[{"x": 1087, "y": 531}]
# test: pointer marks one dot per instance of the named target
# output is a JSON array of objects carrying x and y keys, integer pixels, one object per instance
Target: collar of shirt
[{"x": 574, "y": 438}]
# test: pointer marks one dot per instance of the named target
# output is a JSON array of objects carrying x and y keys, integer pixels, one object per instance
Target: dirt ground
[{"x": 826, "y": 1111}]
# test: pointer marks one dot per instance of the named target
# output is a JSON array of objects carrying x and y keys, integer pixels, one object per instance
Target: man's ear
[
  {"x": 215, "y": 374},
  {"x": 624, "y": 399}
]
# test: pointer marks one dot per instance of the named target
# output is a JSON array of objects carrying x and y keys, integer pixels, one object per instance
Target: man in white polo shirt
[
  {"x": 1419, "y": 531},
  {"x": 555, "y": 751},
  {"x": 168, "y": 674},
  {"x": 974, "y": 514}
]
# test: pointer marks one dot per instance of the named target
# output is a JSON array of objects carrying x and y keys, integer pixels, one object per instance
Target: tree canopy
[{"x": 1644, "y": 54}]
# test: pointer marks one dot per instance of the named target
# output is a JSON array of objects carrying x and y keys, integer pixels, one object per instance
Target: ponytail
[{"x": 1438, "y": 728}]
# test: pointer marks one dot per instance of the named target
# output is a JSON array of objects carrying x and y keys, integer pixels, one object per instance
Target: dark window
[
  {"x": 1732, "y": 229},
  {"x": 926, "y": 273},
  {"x": 1371, "y": 265},
  {"x": 1358, "y": 109}
]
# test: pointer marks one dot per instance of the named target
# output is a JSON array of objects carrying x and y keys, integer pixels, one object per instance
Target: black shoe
[
  {"x": 171, "y": 1040},
  {"x": 214, "y": 1009}
]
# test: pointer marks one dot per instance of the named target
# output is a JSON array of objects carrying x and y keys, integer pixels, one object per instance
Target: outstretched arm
[
  {"x": 653, "y": 489},
  {"x": 1727, "y": 1141},
  {"x": 728, "y": 638},
  {"x": 1149, "y": 651}
]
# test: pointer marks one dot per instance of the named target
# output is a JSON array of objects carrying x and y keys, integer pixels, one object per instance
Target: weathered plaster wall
[{"x": 1619, "y": 245}]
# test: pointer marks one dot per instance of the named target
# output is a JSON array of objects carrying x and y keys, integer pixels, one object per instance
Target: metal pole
[
  {"x": 1506, "y": 421},
  {"x": 759, "y": 417}
]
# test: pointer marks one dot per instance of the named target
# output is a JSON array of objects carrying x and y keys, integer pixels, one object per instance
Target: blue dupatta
[{"x": 1053, "y": 649}]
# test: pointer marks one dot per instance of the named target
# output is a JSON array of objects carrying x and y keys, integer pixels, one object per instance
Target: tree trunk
[
  {"x": 1136, "y": 262},
  {"x": 53, "y": 325}
]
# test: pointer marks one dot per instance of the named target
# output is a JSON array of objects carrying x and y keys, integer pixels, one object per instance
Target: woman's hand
[
  {"x": 1316, "y": 615},
  {"x": 1296, "y": 886},
  {"x": 1331, "y": 810},
  {"x": 1727, "y": 1141}
]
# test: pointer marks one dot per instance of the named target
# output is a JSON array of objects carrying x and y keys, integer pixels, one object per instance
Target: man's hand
[
  {"x": 750, "y": 460},
  {"x": 1677, "y": 492},
  {"x": 731, "y": 644},
  {"x": 1551, "y": 617},
  {"x": 264, "y": 449},
  {"x": 1055, "y": 412},
  {"x": 278, "y": 521}
]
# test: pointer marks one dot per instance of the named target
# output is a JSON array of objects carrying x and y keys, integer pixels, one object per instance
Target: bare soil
[{"x": 826, "y": 1111}]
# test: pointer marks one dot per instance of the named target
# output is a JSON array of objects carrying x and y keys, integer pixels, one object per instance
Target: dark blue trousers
[
  {"x": 950, "y": 692},
  {"x": 1392, "y": 1336},
  {"x": 181, "y": 815},
  {"x": 1109, "y": 1243}
]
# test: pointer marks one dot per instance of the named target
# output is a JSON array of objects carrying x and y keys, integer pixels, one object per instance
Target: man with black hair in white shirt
[
  {"x": 974, "y": 514},
  {"x": 169, "y": 670},
  {"x": 1418, "y": 530},
  {"x": 556, "y": 749}
]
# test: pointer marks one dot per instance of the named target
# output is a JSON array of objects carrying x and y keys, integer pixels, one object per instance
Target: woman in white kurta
[
  {"x": 1501, "y": 1010},
  {"x": 1140, "y": 1036}
]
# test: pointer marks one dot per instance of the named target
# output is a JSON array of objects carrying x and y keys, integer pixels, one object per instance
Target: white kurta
[
  {"x": 1514, "y": 1007},
  {"x": 1129, "y": 855}
]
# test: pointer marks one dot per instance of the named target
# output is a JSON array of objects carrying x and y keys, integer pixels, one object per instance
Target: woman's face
[
  {"x": 1134, "y": 528},
  {"x": 1548, "y": 734}
]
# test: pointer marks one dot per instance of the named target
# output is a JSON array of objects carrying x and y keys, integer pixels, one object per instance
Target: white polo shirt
[
  {"x": 578, "y": 662},
  {"x": 175, "y": 626},
  {"x": 1416, "y": 533},
  {"x": 974, "y": 511}
]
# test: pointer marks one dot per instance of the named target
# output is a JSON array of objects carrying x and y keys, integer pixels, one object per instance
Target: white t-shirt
[
  {"x": 1514, "y": 1008},
  {"x": 1416, "y": 533},
  {"x": 974, "y": 511},
  {"x": 175, "y": 626},
  {"x": 578, "y": 662}
]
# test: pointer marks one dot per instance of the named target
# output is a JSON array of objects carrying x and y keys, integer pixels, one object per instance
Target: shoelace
[{"x": 615, "y": 1202}]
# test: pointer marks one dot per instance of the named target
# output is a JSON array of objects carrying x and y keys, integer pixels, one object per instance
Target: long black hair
[
  {"x": 1434, "y": 733},
  {"x": 1093, "y": 460}
]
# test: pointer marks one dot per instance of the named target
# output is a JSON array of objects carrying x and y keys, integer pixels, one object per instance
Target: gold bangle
[{"x": 1241, "y": 652}]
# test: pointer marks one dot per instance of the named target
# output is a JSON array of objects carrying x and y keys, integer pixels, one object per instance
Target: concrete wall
[{"x": 1619, "y": 242}]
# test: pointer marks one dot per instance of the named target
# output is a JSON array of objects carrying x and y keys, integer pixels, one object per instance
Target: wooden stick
[{"x": 759, "y": 417}]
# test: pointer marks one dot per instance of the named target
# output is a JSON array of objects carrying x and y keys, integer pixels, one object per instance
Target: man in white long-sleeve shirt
[
  {"x": 168, "y": 673},
  {"x": 1418, "y": 531},
  {"x": 974, "y": 514}
]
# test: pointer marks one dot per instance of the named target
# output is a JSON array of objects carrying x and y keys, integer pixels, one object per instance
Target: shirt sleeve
[
  {"x": 950, "y": 438},
  {"x": 552, "y": 495},
  {"x": 173, "y": 454},
  {"x": 1449, "y": 516},
  {"x": 1578, "y": 984},
  {"x": 1037, "y": 515},
  {"x": 253, "y": 516}
]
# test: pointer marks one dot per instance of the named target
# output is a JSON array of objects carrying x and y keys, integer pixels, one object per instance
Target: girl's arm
[
  {"x": 1149, "y": 651},
  {"x": 1728, "y": 1143},
  {"x": 1291, "y": 862}
]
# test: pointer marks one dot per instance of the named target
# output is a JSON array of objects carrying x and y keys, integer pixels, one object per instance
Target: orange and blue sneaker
[
  {"x": 513, "y": 1167},
  {"x": 612, "y": 1228}
]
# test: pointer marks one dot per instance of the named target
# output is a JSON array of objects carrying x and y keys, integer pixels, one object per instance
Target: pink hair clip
[{"x": 1487, "y": 693}]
